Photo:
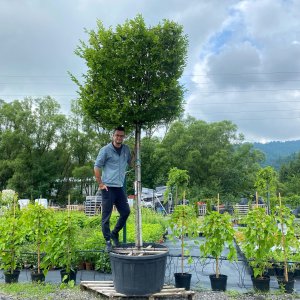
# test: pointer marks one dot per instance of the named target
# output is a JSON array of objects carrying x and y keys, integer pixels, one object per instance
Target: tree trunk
[{"x": 138, "y": 189}]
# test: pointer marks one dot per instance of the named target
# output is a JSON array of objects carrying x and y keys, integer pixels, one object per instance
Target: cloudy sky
[{"x": 243, "y": 57}]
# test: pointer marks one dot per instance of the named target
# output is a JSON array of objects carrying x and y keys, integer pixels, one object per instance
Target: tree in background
[
  {"x": 133, "y": 80},
  {"x": 267, "y": 184},
  {"x": 177, "y": 185},
  {"x": 32, "y": 154},
  {"x": 214, "y": 155},
  {"x": 289, "y": 175}
]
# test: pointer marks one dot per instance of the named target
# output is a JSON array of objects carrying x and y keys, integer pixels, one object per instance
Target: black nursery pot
[
  {"x": 12, "y": 277},
  {"x": 70, "y": 276},
  {"x": 288, "y": 286},
  {"x": 37, "y": 277},
  {"x": 183, "y": 280},
  {"x": 261, "y": 284},
  {"x": 139, "y": 275},
  {"x": 218, "y": 284},
  {"x": 280, "y": 273}
]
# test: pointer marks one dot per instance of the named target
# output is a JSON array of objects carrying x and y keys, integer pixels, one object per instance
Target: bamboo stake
[
  {"x": 256, "y": 198},
  {"x": 283, "y": 244}
]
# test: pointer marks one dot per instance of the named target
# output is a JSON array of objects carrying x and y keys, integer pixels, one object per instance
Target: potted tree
[
  {"x": 183, "y": 223},
  {"x": 218, "y": 231},
  {"x": 260, "y": 235},
  {"x": 11, "y": 237},
  {"x": 288, "y": 247},
  {"x": 140, "y": 90},
  {"x": 37, "y": 221},
  {"x": 61, "y": 251}
]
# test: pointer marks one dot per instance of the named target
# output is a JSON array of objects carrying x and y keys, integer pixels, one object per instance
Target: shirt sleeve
[
  {"x": 129, "y": 156},
  {"x": 100, "y": 160}
]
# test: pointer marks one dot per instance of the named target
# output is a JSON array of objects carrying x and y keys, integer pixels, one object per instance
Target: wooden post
[
  {"x": 218, "y": 203},
  {"x": 256, "y": 198}
]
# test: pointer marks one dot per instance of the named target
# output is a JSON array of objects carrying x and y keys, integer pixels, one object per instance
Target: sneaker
[
  {"x": 115, "y": 239},
  {"x": 108, "y": 247}
]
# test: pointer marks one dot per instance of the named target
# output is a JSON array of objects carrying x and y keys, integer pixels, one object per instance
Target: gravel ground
[{"x": 70, "y": 294}]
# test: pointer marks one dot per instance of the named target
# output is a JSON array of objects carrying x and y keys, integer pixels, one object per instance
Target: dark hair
[{"x": 119, "y": 128}]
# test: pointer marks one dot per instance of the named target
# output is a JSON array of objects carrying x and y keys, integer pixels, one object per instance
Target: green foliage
[
  {"x": 11, "y": 236},
  {"x": 260, "y": 235},
  {"x": 290, "y": 177},
  {"x": 218, "y": 232},
  {"x": 133, "y": 73},
  {"x": 37, "y": 222},
  {"x": 10, "y": 242},
  {"x": 266, "y": 180},
  {"x": 103, "y": 263},
  {"x": 177, "y": 184},
  {"x": 183, "y": 222},
  {"x": 288, "y": 245},
  {"x": 213, "y": 155},
  {"x": 64, "y": 243},
  {"x": 30, "y": 290}
]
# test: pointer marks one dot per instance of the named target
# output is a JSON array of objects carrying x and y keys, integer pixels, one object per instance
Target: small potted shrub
[
  {"x": 183, "y": 223},
  {"x": 11, "y": 237},
  {"x": 287, "y": 249},
  {"x": 218, "y": 232},
  {"x": 61, "y": 251},
  {"x": 37, "y": 221},
  {"x": 260, "y": 237}
]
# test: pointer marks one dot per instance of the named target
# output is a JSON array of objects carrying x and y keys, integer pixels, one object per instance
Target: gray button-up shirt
[{"x": 113, "y": 165}]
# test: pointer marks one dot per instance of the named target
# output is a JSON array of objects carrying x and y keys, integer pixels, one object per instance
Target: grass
[{"x": 34, "y": 291}]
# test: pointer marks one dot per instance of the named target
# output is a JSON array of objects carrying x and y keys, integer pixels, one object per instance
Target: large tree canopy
[{"x": 133, "y": 73}]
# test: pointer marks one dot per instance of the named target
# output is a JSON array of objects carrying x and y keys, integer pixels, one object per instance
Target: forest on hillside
[{"x": 277, "y": 152}]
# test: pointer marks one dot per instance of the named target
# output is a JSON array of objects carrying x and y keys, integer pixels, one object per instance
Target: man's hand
[{"x": 102, "y": 186}]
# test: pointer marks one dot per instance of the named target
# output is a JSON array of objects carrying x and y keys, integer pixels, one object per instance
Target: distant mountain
[{"x": 278, "y": 153}]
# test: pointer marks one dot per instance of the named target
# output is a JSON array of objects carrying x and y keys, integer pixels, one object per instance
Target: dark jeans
[{"x": 114, "y": 196}]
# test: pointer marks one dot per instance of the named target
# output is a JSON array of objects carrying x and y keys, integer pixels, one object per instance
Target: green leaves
[
  {"x": 261, "y": 236},
  {"x": 177, "y": 184},
  {"x": 133, "y": 73},
  {"x": 183, "y": 222},
  {"x": 218, "y": 232}
]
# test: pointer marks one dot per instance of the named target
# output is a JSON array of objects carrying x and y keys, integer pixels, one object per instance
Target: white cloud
[{"x": 243, "y": 57}]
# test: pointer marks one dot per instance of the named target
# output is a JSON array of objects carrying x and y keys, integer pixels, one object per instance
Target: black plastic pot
[
  {"x": 279, "y": 271},
  {"x": 70, "y": 275},
  {"x": 183, "y": 280},
  {"x": 288, "y": 286},
  {"x": 139, "y": 275},
  {"x": 218, "y": 284},
  {"x": 11, "y": 277},
  {"x": 37, "y": 277},
  {"x": 297, "y": 272},
  {"x": 261, "y": 284}
]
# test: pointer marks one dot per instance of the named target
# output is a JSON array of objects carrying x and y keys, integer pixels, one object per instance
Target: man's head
[{"x": 118, "y": 136}]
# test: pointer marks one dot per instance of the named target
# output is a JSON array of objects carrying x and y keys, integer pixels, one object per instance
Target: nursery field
[{"x": 264, "y": 246}]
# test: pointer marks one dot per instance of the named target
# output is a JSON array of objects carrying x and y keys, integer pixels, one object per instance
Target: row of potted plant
[
  {"x": 266, "y": 240},
  {"x": 54, "y": 240},
  {"x": 218, "y": 232},
  {"x": 57, "y": 239},
  {"x": 269, "y": 241}
]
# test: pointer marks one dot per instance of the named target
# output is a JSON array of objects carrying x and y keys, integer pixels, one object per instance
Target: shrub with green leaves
[
  {"x": 218, "y": 232},
  {"x": 261, "y": 236},
  {"x": 183, "y": 222},
  {"x": 37, "y": 221}
]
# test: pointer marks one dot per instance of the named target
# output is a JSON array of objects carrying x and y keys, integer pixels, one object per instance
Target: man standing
[{"x": 110, "y": 167}]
